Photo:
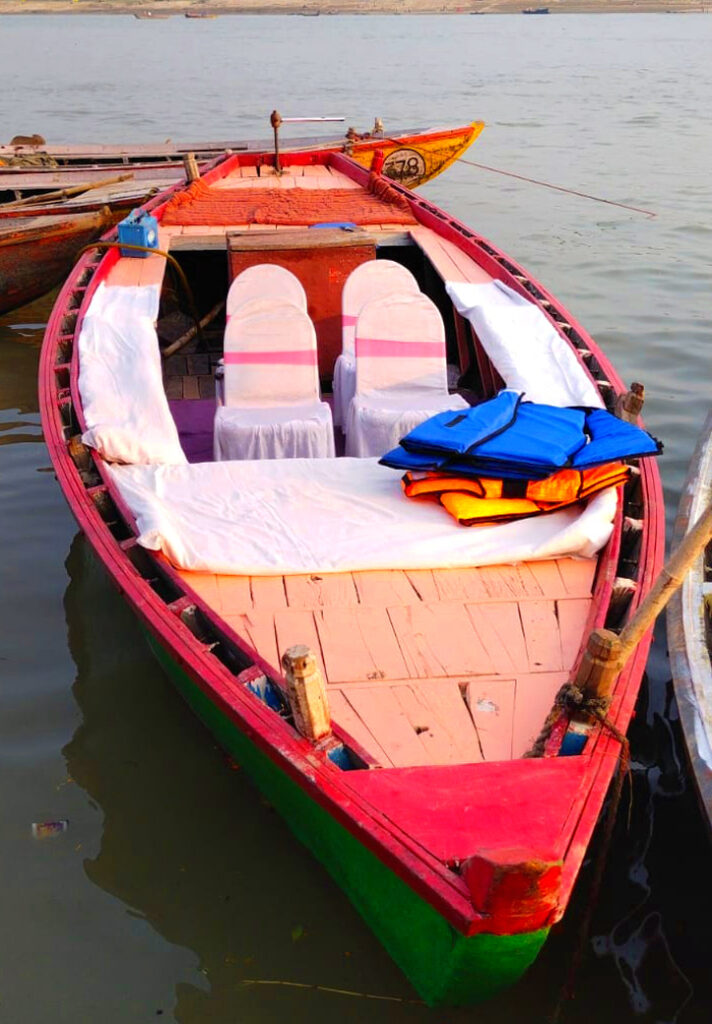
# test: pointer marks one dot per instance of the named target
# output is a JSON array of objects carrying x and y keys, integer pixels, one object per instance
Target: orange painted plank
[
  {"x": 534, "y": 700},
  {"x": 434, "y": 740},
  {"x": 344, "y": 715},
  {"x": 125, "y": 273},
  {"x": 381, "y": 712},
  {"x": 385, "y": 588},
  {"x": 208, "y": 229},
  {"x": 312, "y": 591},
  {"x": 316, "y": 171},
  {"x": 359, "y": 643},
  {"x": 469, "y": 270},
  {"x": 439, "y": 640},
  {"x": 424, "y": 584},
  {"x": 234, "y": 594},
  {"x": 504, "y": 582},
  {"x": 297, "y": 626},
  {"x": 578, "y": 574},
  {"x": 541, "y": 632},
  {"x": 549, "y": 578},
  {"x": 572, "y": 614},
  {"x": 205, "y": 584},
  {"x": 430, "y": 243},
  {"x": 449, "y": 721},
  {"x": 499, "y": 627},
  {"x": 257, "y": 629},
  {"x": 308, "y": 182},
  {"x": 460, "y": 585},
  {"x": 491, "y": 704},
  {"x": 268, "y": 592}
]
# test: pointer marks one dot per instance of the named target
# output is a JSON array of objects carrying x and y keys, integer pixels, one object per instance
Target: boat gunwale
[{"x": 429, "y": 877}]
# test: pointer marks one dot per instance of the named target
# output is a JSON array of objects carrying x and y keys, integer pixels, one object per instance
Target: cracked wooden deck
[{"x": 427, "y": 667}]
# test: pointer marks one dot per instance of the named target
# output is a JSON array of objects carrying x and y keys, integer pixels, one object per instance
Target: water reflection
[{"x": 188, "y": 846}]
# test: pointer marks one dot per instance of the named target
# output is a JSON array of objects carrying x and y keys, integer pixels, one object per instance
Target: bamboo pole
[
  {"x": 179, "y": 343},
  {"x": 607, "y": 652},
  {"x": 64, "y": 193}
]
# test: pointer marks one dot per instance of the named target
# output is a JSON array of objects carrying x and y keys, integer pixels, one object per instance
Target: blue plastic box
[{"x": 138, "y": 229}]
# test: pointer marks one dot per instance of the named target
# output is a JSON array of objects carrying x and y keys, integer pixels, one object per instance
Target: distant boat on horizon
[{"x": 535, "y": 10}]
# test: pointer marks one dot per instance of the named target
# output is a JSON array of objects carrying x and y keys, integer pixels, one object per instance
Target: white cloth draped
[{"x": 330, "y": 515}]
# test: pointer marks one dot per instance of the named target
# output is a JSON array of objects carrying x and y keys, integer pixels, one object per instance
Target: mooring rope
[
  {"x": 572, "y": 700},
  {"x": 543, "y": 184},
  {"x": 558, "y": 188}
]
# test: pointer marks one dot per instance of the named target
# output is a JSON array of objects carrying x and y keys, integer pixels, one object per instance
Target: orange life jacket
[{"x": 476, "y": 501}]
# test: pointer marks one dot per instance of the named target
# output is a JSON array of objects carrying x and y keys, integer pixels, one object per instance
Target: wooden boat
[
  {"x": 37, "y": 251},
  {"x": 413, "y": 156},
  {"x": 689, "y": 627},
  {"x": 458, "y": 849}
]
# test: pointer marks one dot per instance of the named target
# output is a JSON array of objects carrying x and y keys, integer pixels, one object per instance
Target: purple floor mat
[{"x": 194, "y": 418}]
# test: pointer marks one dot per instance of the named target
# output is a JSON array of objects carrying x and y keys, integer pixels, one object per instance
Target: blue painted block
[
  {"x": 573, "y": 743},
  {"x": 138, "y": 229}
]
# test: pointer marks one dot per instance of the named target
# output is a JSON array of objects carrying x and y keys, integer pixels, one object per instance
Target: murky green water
[{"x": 173, "y": 883}]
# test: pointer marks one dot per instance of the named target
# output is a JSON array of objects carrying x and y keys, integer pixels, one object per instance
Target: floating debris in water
[
  {"x": 333, "y": 991},
  {"x": 44, "y": 829}
]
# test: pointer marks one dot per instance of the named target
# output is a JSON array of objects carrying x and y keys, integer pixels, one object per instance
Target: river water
[{"x": 174, "y": 883}]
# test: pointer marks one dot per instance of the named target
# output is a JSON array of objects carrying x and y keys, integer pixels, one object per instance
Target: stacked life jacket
[
  {"x": 479, "y": 501},
  {"x": 507, "y": 458}
]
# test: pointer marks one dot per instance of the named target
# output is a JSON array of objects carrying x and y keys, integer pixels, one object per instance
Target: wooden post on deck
[
  {"x": 628, "y": 406},
  {"x": 191, "y": 167},
  {"x": 606, "y": 652},
  {"x": 306, "y": 692}
]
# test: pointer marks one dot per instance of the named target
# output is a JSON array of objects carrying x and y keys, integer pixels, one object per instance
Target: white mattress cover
[
  {"x": 330, "y": 515},
  {"x": 526, "y": 349}
]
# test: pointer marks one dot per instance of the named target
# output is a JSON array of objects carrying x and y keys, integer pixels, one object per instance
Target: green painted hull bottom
[{"x": 446, "y": 967}]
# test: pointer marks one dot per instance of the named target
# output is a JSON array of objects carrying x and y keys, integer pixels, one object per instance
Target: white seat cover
[
  {"x": 371, "y": 280},
  {"x": 401, "y": 372},
  {"x": 265, "y": 281},
  {"x": 272, "y": 408}
]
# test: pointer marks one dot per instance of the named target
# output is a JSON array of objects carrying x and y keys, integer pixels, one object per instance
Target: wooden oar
[
  {"x": 607, "y": 652},
  {"x": 64, "y": 193}
]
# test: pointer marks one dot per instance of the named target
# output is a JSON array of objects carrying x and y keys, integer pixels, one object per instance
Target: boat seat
[
  {"x": 371, "y": 280},
  {"x": 401, "y": 372},
  {"x": 264, "y": 281},
  {"x": 272, "y": 408}
]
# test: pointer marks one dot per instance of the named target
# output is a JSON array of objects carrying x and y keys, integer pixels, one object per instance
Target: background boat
[
  {"x": 689, "y": 623},
  {"x": 413, "y": 156},
  {"x": 36, "y": 252}
]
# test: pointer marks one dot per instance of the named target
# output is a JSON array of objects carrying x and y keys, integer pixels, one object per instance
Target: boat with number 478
[{"x": 226, "y": 433}]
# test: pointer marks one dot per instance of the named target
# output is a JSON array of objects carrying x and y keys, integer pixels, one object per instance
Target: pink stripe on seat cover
[
  {"x": 406, "y": 349},
  {"x": 277, "y": 357},
  {"x": 348, "y": 321}
]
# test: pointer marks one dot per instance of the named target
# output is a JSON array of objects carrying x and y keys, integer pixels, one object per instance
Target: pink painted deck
[{"x": 428, "y": 667}]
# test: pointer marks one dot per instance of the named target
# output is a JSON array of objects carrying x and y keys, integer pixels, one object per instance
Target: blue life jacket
[
  {"x": 609, "y": 437},
  {"x": 513, "y": 439}
]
